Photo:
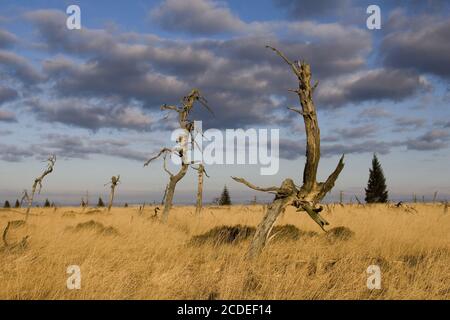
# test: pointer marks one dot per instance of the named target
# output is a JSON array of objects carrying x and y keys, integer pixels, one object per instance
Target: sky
[{"x": 92, "y": 96}]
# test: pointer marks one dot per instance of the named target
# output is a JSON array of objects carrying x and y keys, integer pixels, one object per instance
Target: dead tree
[
  {"x": 307, "y": 197},
  {"x": 38, "y": 182},
  {"x": 201, "y": 171},
  {"x": 25, "y": 197},
  {"x": 181, "y": 150},
  {"x": 114, "y": 182}
]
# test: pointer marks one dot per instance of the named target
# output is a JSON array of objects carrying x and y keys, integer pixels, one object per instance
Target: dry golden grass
[{"x": 147, "y": 260}]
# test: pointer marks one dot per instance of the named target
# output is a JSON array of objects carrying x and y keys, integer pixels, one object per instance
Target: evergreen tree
[
  {"x": 225, "y": 197},
  {"x": 47, "y": 204},
  {"x": 6, "y": 205},
  {"x": 17, "y": 205},
  {"x": 100, "y": 203},
  {"x": 376, "y": 187},
  {"x": 126, "y": 205}
]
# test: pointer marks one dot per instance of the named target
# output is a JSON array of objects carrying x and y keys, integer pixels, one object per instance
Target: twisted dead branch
[
  {"x": 307, "y": 197},
  {"x": 16, "y": 245},
  {"x": 38, "y": 183},
  {"x": 182, "y": 149}
]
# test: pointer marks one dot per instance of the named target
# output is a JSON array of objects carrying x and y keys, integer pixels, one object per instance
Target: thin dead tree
[
  {"x": 114, "y": 182},
  {"x": 201, "y": 171},
  {"x": 181, "y": 150},
  {"x": 25, "y": 197},
  {"x": 38, "y": 182},
  {"x": 307, "y": 197}
]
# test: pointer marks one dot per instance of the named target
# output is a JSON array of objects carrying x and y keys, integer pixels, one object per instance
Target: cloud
[
  {"x": 7, "y": 116},
  {"x": 432, "y": 140},
  {"x": 82, "y": 147},
  {"x": 197, "y": 17},
  {"x": 7, "y": 39},
  {"x": 72, "y": 147},
  {"x": 408, "y": 124},
  {"x": 369, "y": 146},
  {"x": 354, "y": 10},
  {"x": 13, "y": 153},
  {"x": 50, "y": 25},
  {"x": 311, "y": 9},
  {"x": 90, "y": 115},
  {"x": 238, "y": 75},
  {"x": 292, "y": 150},
  {"x": 374, "y": 113},
  {"x": 424, "y": 47},
  {"x": 357, "y": 132},
  {"x": 371, "y": 85},
  {"x": 7, "y": 94},
  {"x": 18, "y": 67},
  {"x": 443, "y": 123}
]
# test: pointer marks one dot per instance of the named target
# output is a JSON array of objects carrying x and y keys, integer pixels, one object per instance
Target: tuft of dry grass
[{"x": 144, "y": 259}]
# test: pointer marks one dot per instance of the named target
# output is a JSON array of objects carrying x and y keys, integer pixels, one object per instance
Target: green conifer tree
[
  {"x": 225, "y": 197},
  {"x": 376, "y": 190}
]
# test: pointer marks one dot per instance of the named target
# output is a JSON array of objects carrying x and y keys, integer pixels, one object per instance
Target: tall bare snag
[
  {"x": 38, "y": 182},
  {"x": 188, "y": 127},
  {"x": 307, "y": 197},
  {"x": 114, "y": 182}
]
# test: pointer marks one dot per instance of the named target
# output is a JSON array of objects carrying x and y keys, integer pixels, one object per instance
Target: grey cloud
[
  {"x": 198, "y": 17},
  {"x": 13, "y": 153},
  {"x": 126, "y": 79},
  {"x": 7, "y": 116},
  {"x": 7, "y": 94},
  {"x": 373, "y": 85},
  {"x": 7, "y": 39},
  {"x": 425, "y": 47},
  {"x": 408, "y": 123},
  {"x": 238, "y": 76},
  {"x": 432, "y": 140},
  {"x": 369, "y": 146},
  {"x": 51, "y": 26},
  {"x": 357, "y": 132},
  {"x": 443, "y": 123},
  {"x": 374, "y": 113},
  {"x": 90, "y": 115},
  {"x": 291, "y": 150},
  {"x": 355, "y": 10},
  {"x": 82, "y": 147},
  {"x": 18, "y": 67},
  {"x": 311, "y": 9}
]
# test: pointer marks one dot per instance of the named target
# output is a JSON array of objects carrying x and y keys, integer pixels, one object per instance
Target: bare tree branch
[
  {"x": 252, "y": 186},
  {"x": 163, "y": 150}
]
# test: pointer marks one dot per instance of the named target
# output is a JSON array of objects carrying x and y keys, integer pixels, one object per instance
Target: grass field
[{"x": 133, "y": 256}]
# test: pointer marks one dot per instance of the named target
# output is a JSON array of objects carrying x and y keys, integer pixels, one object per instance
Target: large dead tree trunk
[
  {"x": 182, "y": 151},
  {"x": 312, "y": 192},
  {"x": 201, "y": 171},
  {"x": 173, "y": 180},
  {"x": 114, "y": 182},
  {"x": 38, "y": 183}
]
